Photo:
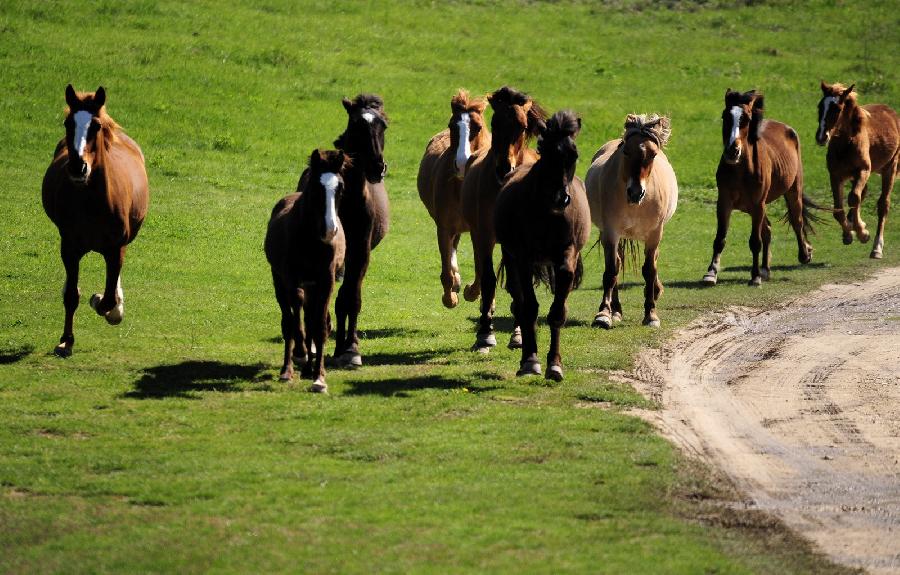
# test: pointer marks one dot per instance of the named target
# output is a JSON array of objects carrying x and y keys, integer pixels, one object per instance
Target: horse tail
[
  {"x": 579, "y": 273},
  {"x": 628, "y": 251},
  {"x": 544, "y": 274},
  {"x": 501, "y": 273},
  {"x": 809, "y": 216}
]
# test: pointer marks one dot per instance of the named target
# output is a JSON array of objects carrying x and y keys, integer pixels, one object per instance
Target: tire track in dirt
[{"x": 800, "y": 406}]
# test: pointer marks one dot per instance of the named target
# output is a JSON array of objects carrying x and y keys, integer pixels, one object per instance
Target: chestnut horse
[
  {"x": 305, "y": 246},
  {"x": 440, "y": 178},
  {"x": 515, "y": 120},
  {"x": 542, "y": 220},
  {"x": 861, "y": 140},
  {"x": 363, "y": 213},
  {"x": 96, "y": 192},
  {"x": 632, "y": 191},
  {"x": 759, "y": 164}
]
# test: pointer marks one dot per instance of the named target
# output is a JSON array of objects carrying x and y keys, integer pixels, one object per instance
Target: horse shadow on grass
[
  {"x": 404, "y": 387},
  {"x": 505, "y": 324},
  {"x": 188, "y": 378},
  {"x": 10, "y": 355}
]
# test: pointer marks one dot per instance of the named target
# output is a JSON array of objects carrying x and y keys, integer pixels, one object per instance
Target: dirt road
[{"x": 800, "y": 406}]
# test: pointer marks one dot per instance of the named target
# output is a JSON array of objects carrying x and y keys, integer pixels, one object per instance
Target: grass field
[{"x": 167, "y": 444}]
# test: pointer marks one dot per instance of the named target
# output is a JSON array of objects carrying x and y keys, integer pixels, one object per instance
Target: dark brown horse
[
  {"x": 305, "y": 246},
  {"x": 96, "y": 192},
  {"x": 516, "y": 119},
  {"x": 542, "y": 220},
  {"x": 440, "y": 179},
  {"x": 363, "y": 213},
  {"x": 760, "y": 163},
  {"x": 861, "y": 140}
]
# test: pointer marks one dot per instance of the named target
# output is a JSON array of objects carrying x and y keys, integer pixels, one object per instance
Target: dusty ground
[{"x": 800, "y": 406}]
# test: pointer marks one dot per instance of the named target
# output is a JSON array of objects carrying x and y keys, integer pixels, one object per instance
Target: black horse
[{"x": 363, "y": 213}]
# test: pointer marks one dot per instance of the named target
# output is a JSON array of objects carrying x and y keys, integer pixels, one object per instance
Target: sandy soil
[{"x": 800, "y": 406}]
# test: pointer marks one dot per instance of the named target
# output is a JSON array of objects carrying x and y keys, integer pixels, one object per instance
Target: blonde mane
[{"x": 651, "y": 126}]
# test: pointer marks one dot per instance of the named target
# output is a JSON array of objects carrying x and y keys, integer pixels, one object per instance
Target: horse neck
[{"x": 851, "y": 121}]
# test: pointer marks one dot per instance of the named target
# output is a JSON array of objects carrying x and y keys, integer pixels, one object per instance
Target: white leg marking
[
  {"x": 464, "y": 149},
  {"x": 454, "y": 265},
  {"x": 330, "y": 182}
]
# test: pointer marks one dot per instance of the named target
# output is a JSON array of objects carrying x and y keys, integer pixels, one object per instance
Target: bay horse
[
  {"x": 516, "y": 119},
  {"x": 305, "y": 246},
  {"x": 364, "y": 213},
  {"x": 542, "y": 220},
  {"x": 759, "y": 164},
  {"x": 440, "y": 179},
  {"x": 861, "y": 140},
  {"x": 632, "y": 192},
  {"x": 96, "y": 192}
]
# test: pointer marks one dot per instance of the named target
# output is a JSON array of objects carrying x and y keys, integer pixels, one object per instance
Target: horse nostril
[{"x": 84, "y": 169}]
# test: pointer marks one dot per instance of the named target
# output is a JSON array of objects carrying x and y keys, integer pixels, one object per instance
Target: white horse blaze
[
  {"x": 330, "y": 182},
  {"x": 368, "y": 117},
  {"x": 735, "y": 123},
  {"x": 826, "y": 103},
  {"x": 463, "y": 149},
  {"x": 82, "y": 123}
]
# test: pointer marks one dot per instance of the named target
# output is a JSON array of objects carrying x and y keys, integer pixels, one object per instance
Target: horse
[
  {"x": 861, "y": 140},
  {"x": 759, "y": 164},
  {"x": 440, "y": 179},
  {"x": 96, "y": 192},
  {"x": 542, "y": 220},
  {"x": 364, "y": 213},
  {"x": 516, "y": 119},
  {"x": 632, "y": 192},
  {"x": 305, "y": 246}
]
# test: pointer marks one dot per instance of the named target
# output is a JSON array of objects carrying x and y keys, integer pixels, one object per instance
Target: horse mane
[
  {"x": 462, "y": 102},
  {"x": 372, "y": 101},
  {"x": 653, "y": 126},
  {"x": 563, "y": 124}
]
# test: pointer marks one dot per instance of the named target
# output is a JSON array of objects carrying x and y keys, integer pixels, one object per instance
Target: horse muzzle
[
  {"x": 823, "y": 138},
  {"x": 732, "y": 155},
  {"x": 376, "y": 172},
  {"x": 79, "y": 175},
  {"x": 635, "y": 194}
]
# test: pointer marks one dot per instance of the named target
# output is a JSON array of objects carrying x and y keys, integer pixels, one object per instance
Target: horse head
[
  {"x": 834, "y": 97},
  {"x": 85, "y": 117},
  {"x": 324, "y": 189},
  {"x": 516, "y": 118},
  {"x": 363, "y": 139},
  {"x": 466, "y": 128},
  {"x": 645, "y": 135},
  {"x": 556, "y": 145},
  {"x": 741, "y": 119}
]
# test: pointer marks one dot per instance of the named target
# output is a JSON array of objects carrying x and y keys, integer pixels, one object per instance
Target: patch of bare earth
[{"x": 800, "y": 407}]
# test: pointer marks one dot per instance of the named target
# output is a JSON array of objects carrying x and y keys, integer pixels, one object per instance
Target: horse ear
[
  {"x": 348, "y": 105},
  {"x": 99, "y": 98},
  {"x": 825, "y": 87},
  {"x": 71, "y": 96},
  {"x": 314, "y": 158},
  {"x": 847, "y": 92}
]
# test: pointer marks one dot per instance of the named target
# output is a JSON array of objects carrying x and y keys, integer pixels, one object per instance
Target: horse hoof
[
  {"x": 94, "y": 302},
  {"x": 286, "y": 375},
  {"x": 709, "y": 280},
  {"x": 450, "y": 300},
  {"x": 485, "y": 340},
  {"x": 876, "y": 255},
  {"x": 319, "y": 386},
  {"x": 63, "y": 350},
  {"x": 764, "y": 272},
  {"x": 755, "y": 282},
  {"x": 616, "y": 317},
  {"x": 848, "y": 239},
  {"x": 529, "y": 367},
  {"x": 554, "y": 372},
  {"x": 602, "y": 320},
  {"x": 515, "y": 340},
  {"x": 115, "y": 315},
  {"x": 863, "y": 236},
  {"x": 651, "y": 322},
  {"x": 457, "y": 281},
  {"x": 471, "y": 292},
  {"x": 349, "y": 360}
]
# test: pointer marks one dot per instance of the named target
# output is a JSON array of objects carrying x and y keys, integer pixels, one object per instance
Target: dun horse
[
  {"x": 363, "y": 213},
  {"x": 759, "y": 164},
  {"x": 440, "y": 181},
  {"x": 861, "y": 140},
  {"x": 305, "y": 246},
  {"x": 632, "y": 191},
  {"x": 515, "y": 120},
  {"x": 96, "y": 192},
  {"x": 542, "y": 220}
]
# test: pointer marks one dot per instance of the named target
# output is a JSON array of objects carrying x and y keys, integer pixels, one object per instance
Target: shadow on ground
[
  {"x": 403, "y": 387},
  {"x": 13, "y": 354},
  {"x": 190, "y": 377}
]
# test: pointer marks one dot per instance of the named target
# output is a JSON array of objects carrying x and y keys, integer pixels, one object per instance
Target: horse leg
[
  {"x": 794, "y": 201},
  {"x": 473, "y": 290},
  {"x": 837, "y": 193},
  {"x": 556, "y": 317},
  {"x": 854, "y": 200},
  {"x": 515, "y": 338},
  {"x": 604, "y": 317},
  {"x": 288, "y": 329},
  {"x": 484, "y": 338},
  {"x": 71, "y": 295},
  {"x": 764, "y": 271},
  {"x": 111, "y": 305},
  {"x": 888, "y": 173},
  {"x": 526, "y": 316},
  {"x": 652, "y": 286},
  {"x": 316, "y": 316},
  {"x": 347, "y": 306},
  {"x": 303, "y": 345},
  {"x": 757, "y": 215},
  {"x": 723, "y": 216},
  {"x": 448, "y": 260}
]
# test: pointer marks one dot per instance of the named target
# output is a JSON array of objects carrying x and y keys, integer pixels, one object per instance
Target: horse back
[
  {"x": 883, "y": 126},
  {"x": 779, "y": 158}
]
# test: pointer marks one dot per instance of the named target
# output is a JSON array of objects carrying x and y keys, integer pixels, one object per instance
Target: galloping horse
[
  {"x": 861, "y": 140},
  {"x": 632, "y": 191},
  {"x": 542, "y": 220},
  {"x": 304, "y": 247},
  {"x": 96, "y": 192},
  {"x": 440, "y": 180},
  {"x": 516, "y": 119},
  {"x": 759, "y": 164},
  {"x": 363, "y": 213}
]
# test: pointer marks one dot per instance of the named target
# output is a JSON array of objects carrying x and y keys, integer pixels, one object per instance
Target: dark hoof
[
  {"x": 602, "y": 320},
  {"x": 471, "y": 293},
  {"x": 529, "y": 367},
  {"x": 554, "y": 372},
  {"x": 63, "y": 350},
  {"x": 484, "y": 342},
  {"x": 848, "y": 239},
  {"x": 765, "y": 274},
  {"x": 349, "y": 360},
  {"x": 515, "y": 340}
]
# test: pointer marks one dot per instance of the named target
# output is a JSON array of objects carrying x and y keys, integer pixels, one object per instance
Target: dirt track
[{"x": 800, "y": 406}]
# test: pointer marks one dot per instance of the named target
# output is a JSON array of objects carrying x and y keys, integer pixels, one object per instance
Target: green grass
[{"x": 167, "y": 443}]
